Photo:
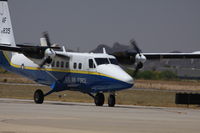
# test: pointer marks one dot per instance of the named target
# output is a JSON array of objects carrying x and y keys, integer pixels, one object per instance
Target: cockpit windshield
[
  {"x": 113, "y": 61},
  {"x": 101, "y": 61}
]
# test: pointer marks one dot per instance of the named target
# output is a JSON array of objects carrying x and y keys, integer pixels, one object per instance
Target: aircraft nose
[
  {"x": 128, "y": 80},
  {"x": 117, "y": 73},
  {"x": 125, "y": 78}
]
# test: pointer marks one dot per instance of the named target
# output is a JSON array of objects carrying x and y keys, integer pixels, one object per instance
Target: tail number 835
[{"x": 6, "y": 31}]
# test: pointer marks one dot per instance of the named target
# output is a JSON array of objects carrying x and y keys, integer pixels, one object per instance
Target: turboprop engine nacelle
[
  {"x": 139, "y": 60},
  {"x": 49, "y": 55}
]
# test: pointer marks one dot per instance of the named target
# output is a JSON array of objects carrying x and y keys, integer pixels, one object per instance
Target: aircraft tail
[
  {"x": 6, "y": 30},
  {"x": 6, "y": 34}
]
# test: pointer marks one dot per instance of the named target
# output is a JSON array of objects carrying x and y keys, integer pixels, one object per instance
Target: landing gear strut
[
  {"x": 99, "y": 99},
  {"x": 111, "y": 100},
  {"x": 38, "y": 96}
]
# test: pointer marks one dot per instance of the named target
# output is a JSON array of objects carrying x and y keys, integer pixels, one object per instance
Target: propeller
[
  {"x": 135, "y": 46},
  {"x": 49, "y": 52},
  {"x": 46, "y": 60},
  {"x": 139, "y": 57},
  {"x": 138, "y": 67},
  {"x": 46, "y": 36}
]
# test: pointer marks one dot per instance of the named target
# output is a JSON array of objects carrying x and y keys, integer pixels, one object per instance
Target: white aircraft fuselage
[{"x": 85, "y": 72}]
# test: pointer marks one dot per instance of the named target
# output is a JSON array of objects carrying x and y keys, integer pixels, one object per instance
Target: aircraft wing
[
  {"x": 36, "y": 52},
  {"x": 151, "y": 56},
  {"x": 12, "y": 49},
  {"x": 129, "y": 58}
]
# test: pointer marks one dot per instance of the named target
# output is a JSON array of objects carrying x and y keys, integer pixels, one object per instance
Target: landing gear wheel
[
  {"x": 99, "y": 99},
  {"x": 111, "y": 100},
  {"x": 38, "y": 96}
]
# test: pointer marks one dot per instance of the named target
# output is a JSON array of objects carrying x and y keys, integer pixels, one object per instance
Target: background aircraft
[{"x": 53, "y": 66}]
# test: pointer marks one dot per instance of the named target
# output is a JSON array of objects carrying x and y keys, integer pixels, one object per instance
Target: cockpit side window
[
  {"x": 101, "y": 61},
  {"x": 113, "y": 61},
  {"x": 91, "y": 63}
]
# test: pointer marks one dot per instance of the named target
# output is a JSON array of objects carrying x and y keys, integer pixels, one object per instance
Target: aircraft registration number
[{"x": 6, "y": 31}]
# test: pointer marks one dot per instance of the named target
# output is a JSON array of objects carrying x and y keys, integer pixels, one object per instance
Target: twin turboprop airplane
[{"x": 89, "y": 73}]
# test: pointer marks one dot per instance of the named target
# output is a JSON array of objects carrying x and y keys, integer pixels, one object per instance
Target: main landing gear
[
  {"x": 111, "y": 100},
  {"x": 38, "y": 96},
  {"x": 99, "y": 99}
]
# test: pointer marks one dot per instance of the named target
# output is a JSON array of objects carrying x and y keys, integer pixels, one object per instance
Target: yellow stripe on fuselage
[{"x": 56, "y": 70}]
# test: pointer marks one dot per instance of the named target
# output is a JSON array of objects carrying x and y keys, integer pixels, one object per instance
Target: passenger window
[
  {"x": 75, "y": 65},
  {"x": 91, "y": 63},
  {"x": 57, "y": 64},
  {"x": 79, "y": 66},
  {"x": 53, "y": 64},
  {"x": 62, "y": 64},
  {"x": 67, "y": 65}
]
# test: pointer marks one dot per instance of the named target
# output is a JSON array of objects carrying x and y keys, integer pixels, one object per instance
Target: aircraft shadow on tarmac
[
  {"x": 106, "y": 106},
  {"x": 133, "y": 107}
]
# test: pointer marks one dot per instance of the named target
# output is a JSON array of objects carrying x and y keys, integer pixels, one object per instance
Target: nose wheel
[
  {"x": 99, "y": 99},
  {"x": 38, "y": 96}
]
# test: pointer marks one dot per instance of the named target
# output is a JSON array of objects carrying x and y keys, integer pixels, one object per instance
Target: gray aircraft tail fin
[{"x": 6, "y": 29}]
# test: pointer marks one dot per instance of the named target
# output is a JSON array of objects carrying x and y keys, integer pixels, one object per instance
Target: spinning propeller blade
[
  {"x": 135, "y": 46},
  {"x": 139, "y": 52},
  {"x": 46, "y": 36},
  {"x": 47, "y": 59}
]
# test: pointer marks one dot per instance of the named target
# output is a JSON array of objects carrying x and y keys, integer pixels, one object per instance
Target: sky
[{"x": 156, "y": 25}]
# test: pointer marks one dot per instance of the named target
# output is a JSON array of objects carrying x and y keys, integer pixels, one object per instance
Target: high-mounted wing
[
  {"x": 152, "y": 56},
  {"x": 44, "y": 52},
  {"x": 8, "y": 48},
  {"x": 137, "y": 58}
]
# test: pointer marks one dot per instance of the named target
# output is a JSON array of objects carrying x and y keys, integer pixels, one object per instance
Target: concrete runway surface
[{"x": 23, "y": 116}]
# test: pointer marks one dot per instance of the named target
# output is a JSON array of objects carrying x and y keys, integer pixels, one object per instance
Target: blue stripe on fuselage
[{"x": 68, "y": 80}]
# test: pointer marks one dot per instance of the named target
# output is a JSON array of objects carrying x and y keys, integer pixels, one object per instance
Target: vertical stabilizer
[{"x": 6, "y": 30}]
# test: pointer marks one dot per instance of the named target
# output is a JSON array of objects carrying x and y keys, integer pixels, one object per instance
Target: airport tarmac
[{"x": 23, "y": 116}]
